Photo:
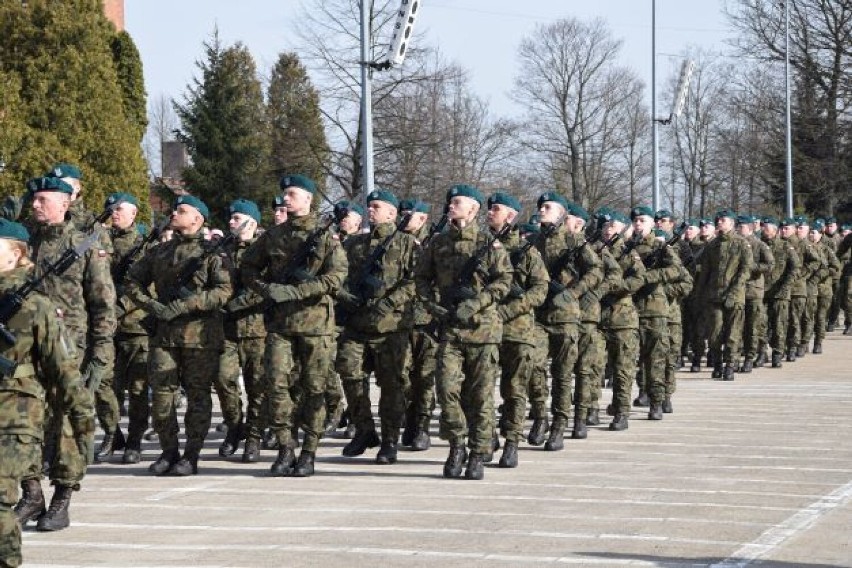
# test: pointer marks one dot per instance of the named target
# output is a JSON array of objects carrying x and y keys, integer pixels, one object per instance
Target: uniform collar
[
  {"x": 467, "y": 234},
  {"x": 14, "y": 278},
  {"x": 383, "y": 230}
]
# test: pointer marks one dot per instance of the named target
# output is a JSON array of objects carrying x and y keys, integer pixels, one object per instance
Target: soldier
[
  {"x": 80, "y": 217},
  {"x": 677, "y": 289},
  {"x": 279, "y": 210},
  {"x": 754, "y": 318},
  {"x": 34, "y": 338},
  {"x": 824, "y": 279},
  {"x": 691, "y": 313},
  {"x": 779, "y": 282},
  {"x": 796, "y": 231},
  {"x": 844, "y": 254},
  {"x": 462, "y": 277},
  {"x": 299, "y": 267},
  {"x": 245, "y": 336},
  {"x": 833, "y": 241},
  {"x": 665, "y": 221},
  {"x": 90, "y": 324},
  {"x": 574, "y": 269},
  {"x": 184, "y": 287},
  {"x": 529, "y": 289}
]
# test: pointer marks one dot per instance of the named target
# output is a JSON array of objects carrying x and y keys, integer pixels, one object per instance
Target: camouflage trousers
[
  {"x": 311, "y": 353},
  {"x": 653, "y": 350},
  {"x": 131, "y": 373},
  {"x": 244, "y": 354},
  {"x": 778, "y": 313},
  {"x": 67, "y": 465},
  {"x": 836, "y": 301},
  {"x": 169, "y": 368},
  {"x": 694, "y": 325},
  {"x": 622, "y": 350},
  {"x": 823, "y": 303},
  {"x": 846, "y": 297},
  {"x": 16, "y": 452},
  {"x": 794, "y": 321},
  {"x": 726, "y": 332},
  {"x": 754, "y": 329},
  {"x": 106, "y": 403},
  {"x": 464, "y": 381},
  {"x": 672, "y": 358},
  {"x": 516, "y": 369},
  {"x": 587, "y": 369},
  {"x": 421, "y": 377},
  {"x": 562, "y": 347},
  {"x": 808, "y": 317},
  {"x": 385, "y": 355},
  {"x": 538, "y": 390}
]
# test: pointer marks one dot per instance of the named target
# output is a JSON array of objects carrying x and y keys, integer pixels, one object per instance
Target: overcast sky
[{"x": 481, "y": 35}]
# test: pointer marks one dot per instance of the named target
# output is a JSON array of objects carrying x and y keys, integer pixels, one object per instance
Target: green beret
[
  {"x": 12, "y": 230},
  {"x": 414, "y": 205},
  {"x": 641, "y": 210},
  {"x": 746, "y": 219},
  {"x": 577, "y": 210},
  {"x": 663, "y": 214},
  {"x": 704, "y": 221},
  {"x": 49, "y": 184},
  {"x": 462, "y": 190},
  {"x": 552, "y": 196},
  {"x": 65, "y": 171},
  {"x": 769, "y": 220},
  {"x": 730, "y": 213},
  {"x": 120, "y": 197},
  {"x": 662, "y": 234},
  {"x": 787, "y": 222},
  {"x": 620, "y": 217},
  {"x": 692, "y": 222},
  {"x": 818, "y": 225},
  {"x": 383, "y": 195},
  {"x": 801, "y": 220},
  {"x": 830, "y": 220},
  {"x": 503, "y": 198},
  {"x": 193, "y": 201},
  {"x": 278, "y": 201},
  {"x": 343, "y": 207},
  {"x": 245, "y": 207},
  {"x": 298, "y": 180},
  {"x": 845, "y": 227}
]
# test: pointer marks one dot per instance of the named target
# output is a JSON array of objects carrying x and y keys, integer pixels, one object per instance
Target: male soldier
[
  {"x": 661, "y": 265},
  {"x": 691, "y": 314},
  {"x": 824, "y": 278},
  {"x": 725, "y": 269},
  {"x": 754, "y": 318},
  {"x": 664, "y": 220},
  {"x": 279, "y": 210},
  {"x": 374, "y": 339},
  {"x": 676, "y": 291},
  {"x": 130, "y": 371},
  {"x": 462, "y": 277},
  {"x": 833, "y": 242},
  {"x": 574, "y": 269},
  {"x": 808, "y": 316},
  {"x": 796, "y": 231},
  {"x": 421, "y": 344},
  {"x": 844, "y": 254},
  {"x": 190, "y": 287},
  {"x": 34, "y": 338},
  {"x": 80, "y": 217},
  {"x": 529, "y": 289},
  {"x": 245, "y": 336},
  {"x": 91, "y": 325},
  {"x": 779, "y": 282},
  {"x": 299, "y": 267}
]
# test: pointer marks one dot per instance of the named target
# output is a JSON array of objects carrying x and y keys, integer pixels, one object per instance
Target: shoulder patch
[{"x": 102, "y": 253}]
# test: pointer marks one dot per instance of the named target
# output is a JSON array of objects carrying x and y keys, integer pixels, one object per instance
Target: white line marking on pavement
[
  {"x": 775, "y": 536},
  {"x": 175, "y": 491}
]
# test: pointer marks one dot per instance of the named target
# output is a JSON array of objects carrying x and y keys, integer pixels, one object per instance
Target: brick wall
[{"x": 114, "y": 11}]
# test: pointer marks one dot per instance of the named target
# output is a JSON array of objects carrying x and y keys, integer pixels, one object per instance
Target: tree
[
  {"x": 62, "y": 99},
  {"x": 224, "y": 128},
  {"x": 128, "y": 66},
  {"x": 162, "y": 123}
]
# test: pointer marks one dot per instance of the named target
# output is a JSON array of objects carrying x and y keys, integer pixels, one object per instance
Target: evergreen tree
[
  {"x": 223, "y": 127},
  {"x": 297, "y": 135},
  {"x": 62, "y": 99},
  {"x": 128, "y": 66}
]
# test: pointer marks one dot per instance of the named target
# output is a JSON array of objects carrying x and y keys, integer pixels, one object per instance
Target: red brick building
[{"x": 114, "y": 11}]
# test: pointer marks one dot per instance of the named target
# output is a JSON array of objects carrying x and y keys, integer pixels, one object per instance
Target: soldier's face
[
  {"x": 691, "y": 232},
  {"x": 297, "y": 201},
  {"x": 50, "y": 206},
  {"x": 802, "y": 231},
  {"x": 744, "y": 229},
  {"x": 417, "y": 220},
  {"x": 351, "y": 224},
  {"x": 9, "y": 255},
  {"x": 665, "y": 224},
  {"x": 642, "y": 224},
  {"x": 380, "y": 212},
  {"x": 123, "y": 215},
  {"x": 186, "y": 219},
  {"x": 550, "y": 212},
  {"x": 498, "y": 215},
  {"x": 236, "y": 221},
  {"x": 770, "y": 231},
  {"x": 280, "y": 215},
  {"x": 725, "y": 224},
  {"x": 611, "y": 229},
  {"x": 788, "y": 231},
  {"x": 815, "y": 236},
  {"x": 462, "y": 208},
  {"x": 830, "y": 229}
]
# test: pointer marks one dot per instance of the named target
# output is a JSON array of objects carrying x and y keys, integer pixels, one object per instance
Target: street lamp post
[
  {"x": 655, "y": 149},
  {"x": 366, "y": 101},
  {"x": 788, "y": 133}
]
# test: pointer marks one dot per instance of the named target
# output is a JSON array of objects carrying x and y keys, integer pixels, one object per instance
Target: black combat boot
[
  {"x": 112, "y": 442},
  {"x": 410, "y": 430},
  {"x": 31, "y": 506},
  {"x": 187, "y": 465},
  {"x": 791, "y": 355},
  {"x": 284, "y": 463},
  {"x": 251, "y": 451},
  {"x": 619, "y": 423},
  {"x": 510, "y": 455},
  {"x": 133, "y": 448},
  {"x": 776, "y": 360},
  {"x": 667, "y": 405},
  {"x": 555, "y": 441},
  {"x": 829, "y": 327},
  {"x": 728, "y": 373},
  {"x": 455, "y": 461},
  {"x": 594, "y": 417},
  {"x": 580, "y": 432},
  {"x": 761, "y": 359},
  {"x": 475, "y": 469},
  {"x": 537, "y": 432},
  {"x": 387, "y": 453},
  {"x": 655, "y": 412},
  {"x": 848, "y": 330},
  {"x": 359, "y": 444},
  {"x": 495, "y": 445},
  {"x": 421, "y": 441},
  {"x": 681, "y": 362},
  {"x": 269, "y": 441},
  {"x": 350, "y": 431},
  {"x": 717, "y": 371},
  {"x": 817, "y": 349},
  {"x": 305, "y": 464},
  {"x": 747, "y": 366},
  {"x": 232, "y": 441},
  {"x": 56, "y": 518},
  {"x": 696, "y": 364},
  {"x": 164, "y": 462},
  {"x": 642, "y": 399},
  {"x": 801, "y": 350}
]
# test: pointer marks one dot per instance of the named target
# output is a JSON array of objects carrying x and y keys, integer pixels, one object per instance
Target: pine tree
[
  {"x": 128, "y": 66},
  {"x": 62, "y": 99},
  {"x": 224, "y": 129}
]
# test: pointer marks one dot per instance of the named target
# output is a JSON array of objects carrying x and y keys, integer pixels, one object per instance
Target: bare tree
[{"x": 162, "y": 123}]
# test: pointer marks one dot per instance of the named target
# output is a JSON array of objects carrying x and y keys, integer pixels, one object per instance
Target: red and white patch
[
  {"x": 59, "y": 313},
  {"x": 102, "y": 253}
]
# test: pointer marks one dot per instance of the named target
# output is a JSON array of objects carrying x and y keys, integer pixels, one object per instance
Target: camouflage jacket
[
  {"x": 779, "y": 280},
  {"x": 529, "y": 290},
  {"x": 45, "y": 361},
  {"x": 725, "y": 268},
  {"x": 436, "y": 281},
  {"x": 244, "y": 312},
  {"x": 829, "y": 268},
  {"x": 844, "y": 255},
  {"x": 84, "y": 294},
  {"x": 82, "y": 219},
  {"x": 676, "y": 291},
  {"x": 268, "y": 261},
  {"x": 810, "y": 263},
  {"x": 416, "y": 314},
  {"x": 128, "y": 313},
  {"x": 384, "y": 295},
  {"x": 661, "y": 265},
  {"x": 155, "y": 278},
  {"x": 621, "y": 280},
  {"x": 584, "y": 261},
  {"x": 762, "y": 262}
]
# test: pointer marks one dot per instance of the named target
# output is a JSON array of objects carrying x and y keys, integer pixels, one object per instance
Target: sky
[{"x": 480, "y": 35}]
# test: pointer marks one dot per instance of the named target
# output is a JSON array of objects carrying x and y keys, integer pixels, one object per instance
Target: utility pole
[
  {"x": 789, "y": 135},
  {"x": 655, "y": 150},
  {"x": 366, "y": 101}
]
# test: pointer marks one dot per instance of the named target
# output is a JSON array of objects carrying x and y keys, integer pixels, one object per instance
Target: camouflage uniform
[
  {"x": 82, "y": 219},
  {"x": 299, "y": 332},
  {"x": 824, "y": 278},
  {"x": 725, "y": 268},
  {"x": 779, "y": 282},
  {"x": 799, "y": 294},
  {"x": 468, "y": 350},
  {"x": 90, "y": 323},
  {"x": 844, "y": 255},
  {"x": 590, "y": 358},
  {"x": 560, "y": 318},
  {"x": 833, "y": 242},
  {"x": 677, "y": 290},
  {"x": 692, "y": 314},
  {"x": 754, "y": 321},
  {"x": 40, "y": 342},
  {"x": 185, "y": 348}
]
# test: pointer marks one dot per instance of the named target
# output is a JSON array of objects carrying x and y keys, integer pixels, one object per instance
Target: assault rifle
[
  {"x": 127, "y": 260},
  {"x": 518, "y": 254},
  {"x": 654, "y": 259},
  {"x": 436, "y": 228},
  {"x": 368, "y": 285},
  {"x": 297, "y": 270}
]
